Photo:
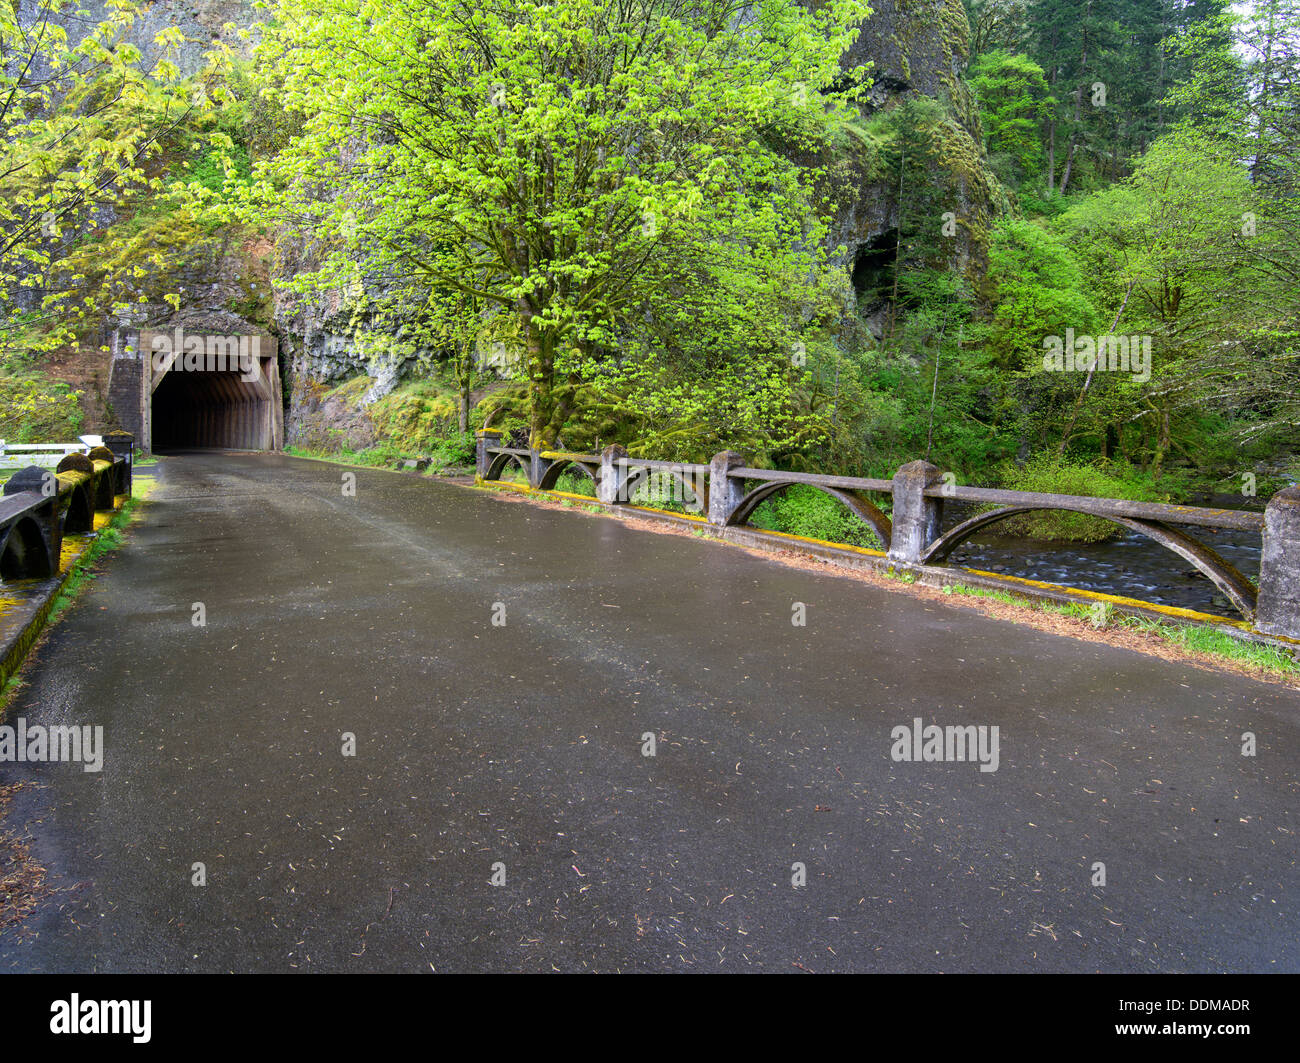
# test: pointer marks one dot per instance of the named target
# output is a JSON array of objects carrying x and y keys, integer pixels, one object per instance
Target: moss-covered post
[
  {"x": 916, "y": 515},
  {"x": 540, "y": 461},
  {"x": 610, "y": 487},
  {"x": 1277, "y": 611},
  {"x": 725, "y": 492},
  {"x": 486, "y": 437}
]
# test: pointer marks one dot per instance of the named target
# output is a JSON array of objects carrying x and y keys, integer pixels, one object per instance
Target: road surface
[{"x": 514, "y": 751}]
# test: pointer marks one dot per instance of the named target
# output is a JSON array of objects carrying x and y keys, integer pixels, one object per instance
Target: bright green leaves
[
  {"x": 84, "y": 126},
  {"x": 584, "y": 165}
]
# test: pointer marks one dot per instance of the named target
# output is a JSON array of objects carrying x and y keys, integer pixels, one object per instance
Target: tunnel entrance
[
  {"x": 207, "y": 381},
  {"x": 210, "y": 408},
  {"x": 873, "y": 268}
]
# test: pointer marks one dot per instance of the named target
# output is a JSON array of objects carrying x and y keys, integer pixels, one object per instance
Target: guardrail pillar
[
  {"x": 1277, "y": 610},
  {"x": 537, "y": 466},
  {"x": 725, "y": 494},
  {"x": 33, "y": 478},
  {"x": 122, "y": 444},
  {"x": 45, "y": 484},
  {"x": 916, "y": 516},
  {"x": 609, "y": 488},
  {"x": 485, "y": 437}
]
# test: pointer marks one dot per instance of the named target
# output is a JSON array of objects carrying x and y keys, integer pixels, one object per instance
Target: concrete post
[
  {"x": 725, "y": 494},
  {"x": 611, "y": 474},
  {"x": 42, "y": 482},
  {"x": 537, "y": 467},
  {"x": 122, "y": 444},
  {"x": 915, "y": 517},
  {"x": 486, "y": 437},
  {"x": 32, "y": 478},
  {"x": 1277, "y": 610}
]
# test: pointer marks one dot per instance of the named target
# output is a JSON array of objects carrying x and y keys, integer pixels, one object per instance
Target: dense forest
[{"x": 617, "y": 221}]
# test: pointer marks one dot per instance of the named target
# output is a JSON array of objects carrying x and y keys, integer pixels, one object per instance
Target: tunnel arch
[
  {"x": 864, "y": 509},
  {"x": 210, "y": 409},
  {"x": 202, "y": 379}
]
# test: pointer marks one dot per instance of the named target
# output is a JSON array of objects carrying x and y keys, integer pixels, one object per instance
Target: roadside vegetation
[
  {"x": 106, "y": 541},
  {"x": 1193, "y": 638}
]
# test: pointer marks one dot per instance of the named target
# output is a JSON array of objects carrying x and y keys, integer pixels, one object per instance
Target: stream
[{"x": 1130, "y": 565}]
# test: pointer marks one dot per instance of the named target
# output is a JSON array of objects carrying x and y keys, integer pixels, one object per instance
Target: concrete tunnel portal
[
  {"x": 210, "y": 409},
  {"x": 184, "y": 389}
]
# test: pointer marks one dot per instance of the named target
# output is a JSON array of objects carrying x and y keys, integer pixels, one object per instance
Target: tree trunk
[
  {"x": 539, "y": 350},
  {"x": 1162, "y": 443},
  {"x": 1087, "y": 381},
  {"x": 1069, "y": 156},
  {"x": 1051, "y": 156},
  {"x": 1078, "y": 107}
]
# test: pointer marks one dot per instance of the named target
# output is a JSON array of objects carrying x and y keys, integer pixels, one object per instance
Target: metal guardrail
[
  {"x": 20, "y": 455},
  {"x": 730, "y": 489}
]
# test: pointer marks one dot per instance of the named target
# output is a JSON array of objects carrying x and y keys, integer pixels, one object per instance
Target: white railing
[{"x": 20, "y": 455}]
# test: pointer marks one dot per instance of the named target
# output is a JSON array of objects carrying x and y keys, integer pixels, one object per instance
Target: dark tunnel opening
[
  {"x": 873, "y": 269},
  {"x": 211, "y": 410}
]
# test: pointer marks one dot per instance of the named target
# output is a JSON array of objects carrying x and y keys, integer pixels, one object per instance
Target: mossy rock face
[
  {"x": 102, "y": 454},
  {"x": 329, "y": 420},
  {"x": 921, "y": 45},
  {"x": 919, "y": 48},
  {"x": 414, "y": 417},
  {"x": 76, "y": 463}
]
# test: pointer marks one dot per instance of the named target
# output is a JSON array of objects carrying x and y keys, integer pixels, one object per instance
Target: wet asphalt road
[{"x": 522, "y": 744}]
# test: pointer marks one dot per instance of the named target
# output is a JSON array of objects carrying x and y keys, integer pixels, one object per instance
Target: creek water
[{"x": 1130, "y": 565}]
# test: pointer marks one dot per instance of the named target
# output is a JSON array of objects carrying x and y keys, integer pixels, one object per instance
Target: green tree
[
  {"x": 1073, "y": 43},
  {"x": 1037, "y": 290},
  {"x": 544, "y": 157},
  {"x": 1164, "y": 247},
  {"x": 997, "y": 25},
  {"x": 1014, "y": 102},
  {"x": 911, "y": 162}
]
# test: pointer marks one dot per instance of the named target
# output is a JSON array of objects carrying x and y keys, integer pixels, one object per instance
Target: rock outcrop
[{"x": 920, "y": 48}]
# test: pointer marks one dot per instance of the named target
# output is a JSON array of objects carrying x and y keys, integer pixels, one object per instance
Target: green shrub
[
  {"x": 1050, "y": 475},
  {"x": 661, "y": 490},
  {"x": 575, "y": 483},
  {"x": 458, "y": 448},
  {"x": 812, "y": 514}
]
